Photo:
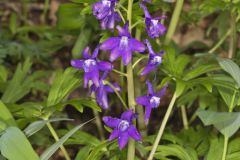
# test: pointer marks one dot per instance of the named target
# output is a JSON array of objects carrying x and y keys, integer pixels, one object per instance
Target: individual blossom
[
  {"x": 153, "y": 61},
  {"x": 149, "y": 1},
  {"x": 102, "y": 90},
  {"x": 123, "y": 45},
  {"x": 153, "y": 26},
  {"x": 104, "y": 11},
  {"x": 150, "y": 101},
  {"x": 91, "y": 66},
  {"x": 123, "y": 128}
]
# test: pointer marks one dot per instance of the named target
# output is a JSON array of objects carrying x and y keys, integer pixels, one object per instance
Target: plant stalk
[
  {"x": 233, "y": 38},
  {"x": 184, "y": 117},
  {"x": 55, "y": 136},
  {"x": 174, "y": 21},
  {"x": 130, "y": 86},
  {"x": 162, "y": 127},
  {"x": 225, "y": 148}
]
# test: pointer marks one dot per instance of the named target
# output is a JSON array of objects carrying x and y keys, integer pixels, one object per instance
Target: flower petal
[
  {"x": 110, "y": 43},
  {"x": 113, "y": 135},
  {"x": 162, "y": 91},
  {"x": 149, "y": 46},
  {"x": 115, "y": 54},
  {"x": 86, "y": 53},
  {"x": 77, "y": 64},
  {"x": 126, "y": 56},
  {"x": 95, "y": 77},
  {"x": 147, "y": 69},
  {"x": 105, "y": 66},
  {"x": 109, "y": 89},
  {"x": 133, "y": 132},
  {"x": 123, "y": 139},
  {"x": 128, "y": 115},
  {"x": 150, "y": 87},
  {"x": 147, "y": 14},
  {"x": 148, "y": 110},
  {"x": 101, "y": 97},
  {"x": 136, "y": 45},
  {"x": 143, "y": 100},
  {"x": 86, "y": 79},
  {"x": 123, "y": 31},
  {"x": 111, "y": 122}
]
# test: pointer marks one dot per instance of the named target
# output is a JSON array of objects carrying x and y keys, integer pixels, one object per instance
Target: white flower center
[
  {"x": 89, "y": 65},
  {"x": 124, "y": 42},
  {"x": 123, "y": 125},
  {"x": 155, "y": 101},
  {"x": 156, "y": 59},
  {"x": 106, "y": 3},
  {"x": 154, "y": 22}
]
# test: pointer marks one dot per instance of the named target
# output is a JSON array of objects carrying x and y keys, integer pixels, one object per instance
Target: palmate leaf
[
  {"x": 64, "y": 83},
  {"x": 225, "y": 122},
  {"x": 15, "y": 146},
  {"x": 52, "y": 149}
]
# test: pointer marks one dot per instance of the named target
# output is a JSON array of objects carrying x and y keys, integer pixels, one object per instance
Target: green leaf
[
  {"x": 216, "y": 149},
  {"x": 227, "y": 123},
  {"x": 180, "y": 86},
  {"x": 6, "y": 116},
  {"x": 83, "y": 153},
  {"x": 13, "y": 23},
  {"x": 228, "y": 95},
  {"x": 15, "y": 146},
  {"x": 3, "y": 73},
  {"x": 69, "y": 16},
  {"x": 64, "y": 83},
  {"x": 52, "y": 149},
  {"x": 174, "y": 150},
  {"x": 38, "y": 125},
  {"x": 79, "y": 104},
  {"x": 193, "y": 73},
  {"x": 98, "y": 151},
  {"x": 83, "y": 1},
  {"x": 232, "y": 68},
  {"x": 81, "y": 43}
]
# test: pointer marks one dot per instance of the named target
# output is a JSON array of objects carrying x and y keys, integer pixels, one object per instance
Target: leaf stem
[
  {"x": 118, "y": 95},
  {"x": 184, "y": 117},
  {"x": 162, "y": 127},
  {"x": 119, "y": 72},
  {"x": 233, "y": 38},
  {"x": 225, "y": 148},
  {"x": 55, "y": 136},
  {"x": 174, "y": 21}
]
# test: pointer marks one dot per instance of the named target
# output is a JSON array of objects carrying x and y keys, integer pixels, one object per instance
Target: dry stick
[{"x": 169, "y": 35}]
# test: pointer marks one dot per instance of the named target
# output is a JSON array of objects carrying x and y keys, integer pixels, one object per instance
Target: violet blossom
[
  {"x": 154, "y": 59},
  {"x": 104, "y": 11},
  {"x": 123, "y": 128},
  {"x": 91, "y": 66},
  {"x": 150, "y": 101},
  {"x": 123, "y": 45},
  {"x": 102, "y": 90},
  {"x": 153, "y": 26}
]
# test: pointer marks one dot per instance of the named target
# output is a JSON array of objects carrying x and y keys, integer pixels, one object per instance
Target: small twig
[{"x": 119, "y": 72}]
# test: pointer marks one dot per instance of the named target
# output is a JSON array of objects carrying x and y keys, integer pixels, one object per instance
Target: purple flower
[
  {"x": 149, "y": 1},
  {"x": 91, "y": 66},
  {"x": 104, "y": 11},
  {"x": 150, "y": 101},
  {"x": 153, "y": 26},
  {"x": 153, "y": 61},
  {"x": 123, "y": 45},
  {"x": 123, "y": 128},
  {"x": 102, "y": 90}
]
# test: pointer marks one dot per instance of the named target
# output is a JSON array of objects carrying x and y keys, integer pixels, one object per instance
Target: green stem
[
  {"x": 233, "y": 38},
  {"x": 162, "y": 127},
  {"x": 130, "y": 86},
  {"x": 45, "y": 9},
  {"x": 55, "y": 136},
  {"x": 220, "y": 42},
  {"x": 99, "y": 124},
  {"x": 225, "y": 148},
  {"x": 174, "y": 21},
  {"x": 119, "y": 72},
  {"x": 118, "y": 95},
  {"x": 184, "y": 117}
]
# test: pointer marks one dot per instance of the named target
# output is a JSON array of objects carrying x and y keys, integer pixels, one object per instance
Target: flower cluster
[{"x": 123, "y": 46}]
